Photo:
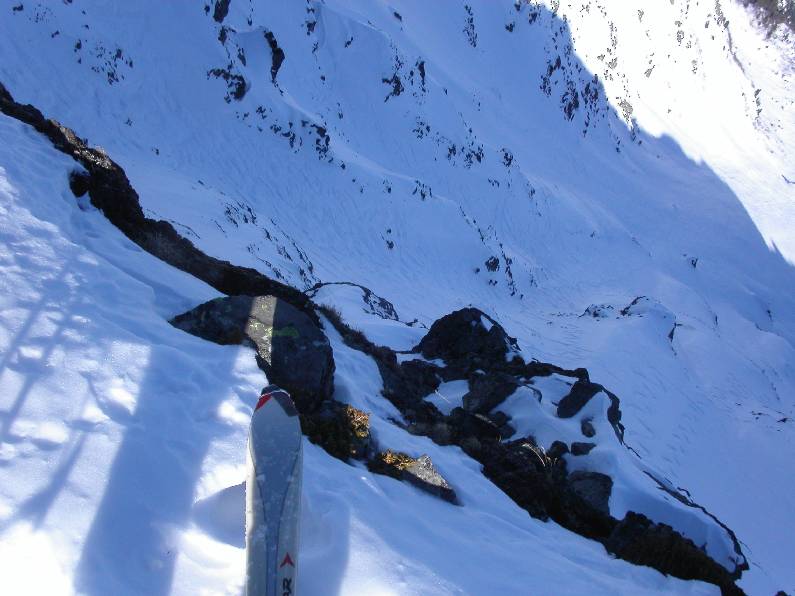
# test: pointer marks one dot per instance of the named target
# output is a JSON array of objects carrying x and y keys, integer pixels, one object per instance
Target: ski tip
[
  {"x": 281, "y": 397},
  {"x": 263, "y": 399}
]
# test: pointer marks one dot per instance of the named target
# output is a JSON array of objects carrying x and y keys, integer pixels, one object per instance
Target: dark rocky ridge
[
  {"x": 277, "y": 54},
  {"x": 534, "y": 480},
  {"x": 110, "y": 192}
]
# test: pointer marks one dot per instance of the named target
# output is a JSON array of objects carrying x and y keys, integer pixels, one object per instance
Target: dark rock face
[
  {"x": 487, "y": 391},
  {"x": 418, "y": 380},
  {"x": 522, "y": 470},
  {"x": 502, "y": 421},
  {"x": 581, "y": 448},
  {"x": 540, "y": 484},
  {"x": 277, "y": 54},
  {"x": 639, "y": 540},
  {"x": 593, "y": 488},
  {"x": 221, "y": 10},
  {"x": 469, "y": 424},
  {"x": 291, "y": 348},
  {"x": 580, "y": 394},
  {"x": 465, "y": 343}
]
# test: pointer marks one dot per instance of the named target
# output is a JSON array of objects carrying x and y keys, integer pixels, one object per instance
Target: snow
[
  {"x": 113, "y": 424},
  {"x": 449, "y": 395},
  {"x": 532, "y": 411},
  {"x": 395, "y": 531},
  {"x": 129, "y": 455},
  {"x": 109, "y": 415}
]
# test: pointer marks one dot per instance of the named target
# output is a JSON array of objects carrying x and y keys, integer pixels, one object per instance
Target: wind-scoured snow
[{"x": 432, "y": 154}]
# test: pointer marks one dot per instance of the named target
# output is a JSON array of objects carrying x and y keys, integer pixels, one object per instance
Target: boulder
[
  {"x": 502, "y": 421},
  {"x": 419, "y": 472},
  {"x": 499, "y": 418},
  {"x": 593, "y": 488},
  {"x": 441, "y": 433},
  {"x": 639, "y": 540},
  {"x": 407, "y": 383},
  {"x": 581, "y": 448},
  {"x": 521, "y": 470},
  {"x": 466, "y": 424},
  {"x": 419, "y": 378},
  {"x": 580, "y": 394},
  {"x": 424, "y": 475},
  {"x": 471, "y": 446},
  {"x": 468, "y": 339},
  {"x": 487, "y": 391},
  {"x": 587, "y": 428},
  {"x": 506, "y": 431},
  {"x": 292, "y": 350},
  {"x": 557, "y": 450}
]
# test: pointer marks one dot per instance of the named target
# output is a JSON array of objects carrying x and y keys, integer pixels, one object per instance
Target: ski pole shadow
[
  {"x": 55, "y": 305},
  {"x": 133, "y": 543}
]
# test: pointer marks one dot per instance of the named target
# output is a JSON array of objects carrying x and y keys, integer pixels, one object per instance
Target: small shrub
[{"x": 390, "y": 463}]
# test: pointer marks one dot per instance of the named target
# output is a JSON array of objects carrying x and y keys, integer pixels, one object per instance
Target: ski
[{"x": 273, "y": 495}]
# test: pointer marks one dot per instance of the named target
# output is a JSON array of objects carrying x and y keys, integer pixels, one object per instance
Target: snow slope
[
  {"x": 663, "y": 179},
  {"x": 123, "y": 440}
]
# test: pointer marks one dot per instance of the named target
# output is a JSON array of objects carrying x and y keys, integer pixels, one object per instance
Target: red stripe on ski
[
  {"x": 287, "y": 561},
  {"x": 262, "y": 401}
]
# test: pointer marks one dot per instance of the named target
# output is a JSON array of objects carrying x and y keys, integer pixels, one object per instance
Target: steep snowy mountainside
[
  {"x": 549, "y": 163},
  {"x": 123, "y": 440},
  {"x": 480, "y": 134}
]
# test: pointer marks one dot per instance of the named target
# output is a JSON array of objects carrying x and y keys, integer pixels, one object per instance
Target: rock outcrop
[
  {"x": 593, "y": 488},
  {"x": 110, "y": 191},
  {"x": 466, "y": 340},
  {"x": 467, "y": 344},
  {"x": 639, "y": 540},
  {"x": 292, "y": 350},
  {"x": 419, "y": 472},
  {"x": 487, "y": 391}
]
